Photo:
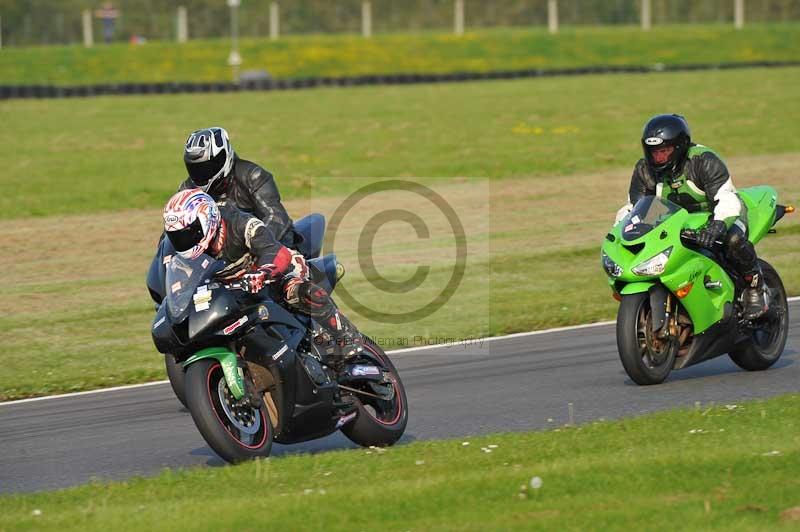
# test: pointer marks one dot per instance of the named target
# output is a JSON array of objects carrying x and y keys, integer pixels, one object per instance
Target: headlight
[
  {"x": 612, "y": 268},
  {"x": 655, "y": 265}
]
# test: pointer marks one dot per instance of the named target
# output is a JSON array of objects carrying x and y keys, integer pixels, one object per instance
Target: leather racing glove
[{"x": 712, "y": 232}]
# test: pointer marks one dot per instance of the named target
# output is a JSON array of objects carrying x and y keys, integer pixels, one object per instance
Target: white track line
[
  {"x": 396, "y": 351},
  {"x": 76, "y": 394}
]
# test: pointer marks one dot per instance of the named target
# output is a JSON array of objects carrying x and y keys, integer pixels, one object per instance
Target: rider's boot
[
  {"x": 340, "y": 339},
  {"x": 345, "y": 340},
  {"x": 754, "y": 297}
]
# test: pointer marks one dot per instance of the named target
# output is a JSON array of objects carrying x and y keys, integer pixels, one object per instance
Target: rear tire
[
  {"x": 176, "y": 377},
  {"x": 379, "y": 423},
  {"x": 643, "y": 363},
  {"x": 768, "y": 341},
  {"x": 236, "y": 433}
]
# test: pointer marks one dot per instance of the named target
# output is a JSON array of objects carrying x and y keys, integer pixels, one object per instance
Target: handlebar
[
  {"x": 242, "y": 285},
  {"x": 690, "y": 237}
]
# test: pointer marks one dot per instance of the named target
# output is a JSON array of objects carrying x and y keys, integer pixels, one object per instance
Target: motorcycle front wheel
[
  {"x": 646, "y": 359},
  {"x": 235, "y": 430},
  {"x": 176, "y": 378}
]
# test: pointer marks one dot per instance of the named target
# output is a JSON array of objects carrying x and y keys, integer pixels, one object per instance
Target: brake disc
[{"x": 243, "y": 416}]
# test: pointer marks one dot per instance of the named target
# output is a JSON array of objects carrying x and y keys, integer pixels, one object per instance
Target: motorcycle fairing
[{"x": 234, "y": 377}]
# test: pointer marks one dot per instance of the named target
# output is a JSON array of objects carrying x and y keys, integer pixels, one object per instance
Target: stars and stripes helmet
[
  {"x": 191, "y": 220},
  {"x": 208, "y": 156}
]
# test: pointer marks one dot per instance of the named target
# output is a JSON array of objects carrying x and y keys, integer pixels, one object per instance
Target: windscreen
[
  {"x": 648, "y": 213},
  {"x": 183, "y": 277}
]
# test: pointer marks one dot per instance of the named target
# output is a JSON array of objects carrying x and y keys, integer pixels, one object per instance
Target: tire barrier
[{"x": 8, "y": 92}]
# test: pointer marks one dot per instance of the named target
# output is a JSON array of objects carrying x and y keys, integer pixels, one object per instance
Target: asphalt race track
[{"x": 522, "y": 382}]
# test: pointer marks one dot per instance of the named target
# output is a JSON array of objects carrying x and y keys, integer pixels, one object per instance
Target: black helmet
[
  {"x": 664, "y": 131},
  {"x": 208, "y": 156}
]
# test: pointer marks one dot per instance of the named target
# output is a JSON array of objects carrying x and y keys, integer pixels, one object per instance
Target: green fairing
[
  {"x": 705, "y": 306},
  {"x": 635, "y": 288},
  {"x": 233, "y": 375}
]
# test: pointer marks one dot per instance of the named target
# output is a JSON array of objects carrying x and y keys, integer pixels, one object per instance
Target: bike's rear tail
[{"x": 763, "y": 210}]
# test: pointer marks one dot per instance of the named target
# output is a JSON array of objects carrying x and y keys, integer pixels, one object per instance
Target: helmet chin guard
[
  {"x": 663, "y": 131},
  {"x": 191, "y": 220}
]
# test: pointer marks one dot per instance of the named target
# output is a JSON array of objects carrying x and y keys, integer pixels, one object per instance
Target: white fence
[{"x": 371, "y": 16}]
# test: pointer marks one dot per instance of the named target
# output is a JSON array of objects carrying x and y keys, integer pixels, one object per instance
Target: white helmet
[
  {"x": 191, "y": 220},
  {"x": 208, "y": 156}
]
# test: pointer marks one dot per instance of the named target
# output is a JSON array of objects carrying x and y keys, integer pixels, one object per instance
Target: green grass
[
  {"x": 77, "y": 314},
  {"x": 82, "y": 315},
  {"x": 90, "y": 346},
  {"x": 730, "y": 467},
  {"x": 114, "y": 153},
  {"x": 344, "y": 55}
]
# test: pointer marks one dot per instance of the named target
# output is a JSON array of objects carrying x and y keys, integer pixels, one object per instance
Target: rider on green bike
[{"x": 694, "y": 177}]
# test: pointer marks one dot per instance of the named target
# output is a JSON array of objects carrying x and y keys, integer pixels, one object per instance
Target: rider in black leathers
[
  {"x": 694, "y": 177},
  {"x": 214, "y": 167},
  {"x": 195, "y": 224}
]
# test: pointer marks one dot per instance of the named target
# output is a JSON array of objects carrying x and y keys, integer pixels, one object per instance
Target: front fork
[
  {"x": 671, "y": 329},
  {"x": 664, "y": 317}
]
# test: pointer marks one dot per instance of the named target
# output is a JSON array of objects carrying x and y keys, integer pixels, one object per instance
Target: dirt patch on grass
[
  {"x": 576, "y": 211},
  {"x": 791, "y": 514},
  {"x": 76, "y": 311},
  {"x": 64, "y": 263}
]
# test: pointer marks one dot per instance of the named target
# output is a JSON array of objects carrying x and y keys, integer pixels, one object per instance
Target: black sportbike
[{"x": 251, "y": 372}]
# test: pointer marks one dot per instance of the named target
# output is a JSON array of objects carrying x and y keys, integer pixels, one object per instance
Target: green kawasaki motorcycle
[{"x": 680, "y": 304}]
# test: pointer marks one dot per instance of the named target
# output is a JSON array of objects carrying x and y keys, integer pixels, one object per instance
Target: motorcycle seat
[{"x": 311, "y": 230}]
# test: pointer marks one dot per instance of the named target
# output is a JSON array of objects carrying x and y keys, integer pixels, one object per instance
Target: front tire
[
  {"x": 646, "y": 359},
  {"x": 768, "y": 337},
  {"x": 378, "y": 422},
  {"x": 176, "y": 377},
  {"x": 233, "y": 429}
]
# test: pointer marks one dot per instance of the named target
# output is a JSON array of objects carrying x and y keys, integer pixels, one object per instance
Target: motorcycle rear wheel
[
  {"x": 379, "y": 422},
  {"x": 644, "y": 361},
  {"x": 768, "y": 339}
]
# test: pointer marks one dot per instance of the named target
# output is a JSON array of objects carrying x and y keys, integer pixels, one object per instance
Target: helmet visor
[
  {"x": 201, "y": 172},
  {"x": 662, "y": 154},
  {"x": 188, "y": 237}
]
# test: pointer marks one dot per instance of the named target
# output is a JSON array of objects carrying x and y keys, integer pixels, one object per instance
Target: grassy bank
[
  {"x": 81, "y": 315},
  {"x": 731, "y": 467},
  {"x": 549, "y": 168},
  {"x": 115, "y": 153},
  {"x": 346, "y": 55}
]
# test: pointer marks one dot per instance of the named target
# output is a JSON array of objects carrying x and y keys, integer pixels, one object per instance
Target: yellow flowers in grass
[{"x": 524, "y": 129}]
